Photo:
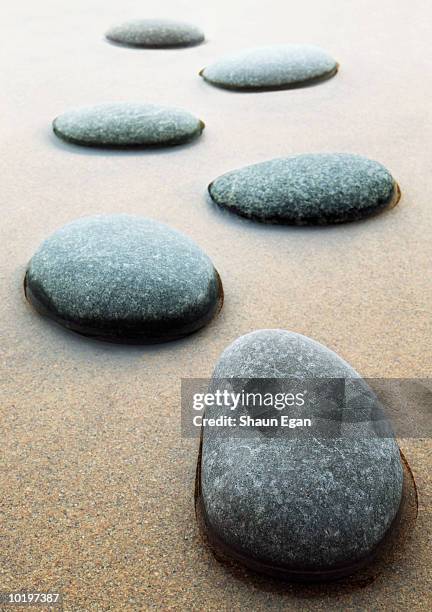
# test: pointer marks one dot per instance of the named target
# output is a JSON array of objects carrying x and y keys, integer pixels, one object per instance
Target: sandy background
[{"x": 96, "y": 481}]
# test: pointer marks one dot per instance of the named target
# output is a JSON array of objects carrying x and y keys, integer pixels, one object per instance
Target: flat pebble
[
  {"x": 307, "y": 189},
  {"x": 126, "y": 125},
  {"x": 155, "y": 33},
  {"x": 271, "y": 67},
  {"x": 305, "y": 506},
  {"x": 123, "y": 278}
]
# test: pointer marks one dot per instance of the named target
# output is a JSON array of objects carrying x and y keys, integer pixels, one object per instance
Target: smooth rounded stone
[
  {"x": 298, "y": 506},
  {"x": 315, "y": 188},
  {"x": 156, "y": 33},
  {"x": 271, "y": 67},
  {"x": 123, "y": 278},
  {"x": 125, "y": 125}
]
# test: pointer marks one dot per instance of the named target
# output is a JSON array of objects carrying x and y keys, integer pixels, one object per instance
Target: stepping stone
[
  {"x": 127, "y": 125},
  {"x": 271, "y": 68},
  {"x": 123, "y": 278},
  {"x": 298, "y": 506},
  {"x": 307, "y": 189},
  {"x": 155, "y": 34}
]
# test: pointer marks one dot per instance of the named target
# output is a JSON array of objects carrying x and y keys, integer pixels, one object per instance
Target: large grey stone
[
  {"x": 271, "y": 67},
  {"x": 307, "y": 189},
  {"x": 127, "y": 125},
  {"x": 123, "y": 278},
  {"x": 311, "y": 506},
  {"x": 155, "y": 33}
]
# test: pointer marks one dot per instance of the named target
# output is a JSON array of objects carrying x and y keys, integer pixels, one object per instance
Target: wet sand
[{"x": 97, "y": 483}]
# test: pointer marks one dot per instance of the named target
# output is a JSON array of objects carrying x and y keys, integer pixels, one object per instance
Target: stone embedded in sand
[
  {"x": 306, "y": 505},
  {"x": 123, "y": 278},
  {"x": 156, "y": 33},
  {"x": 307, "y": 189},
  {"x": 272, "y": 67},
  {"x": 127, "y": 125}
]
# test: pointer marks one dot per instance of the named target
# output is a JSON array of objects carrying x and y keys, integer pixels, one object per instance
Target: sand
[{"x": 97, "y": 482}]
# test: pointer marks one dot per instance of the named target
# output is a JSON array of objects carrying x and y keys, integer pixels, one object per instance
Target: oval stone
[
  {"x": 155, "y": 33},
  {"x": 305, "y": 506},
  {"x": 123, "y": 278},
  {"x": 124, "y": 125},
  {"x": 271, "y": 67},
  {"x": 307, "y": 189}
]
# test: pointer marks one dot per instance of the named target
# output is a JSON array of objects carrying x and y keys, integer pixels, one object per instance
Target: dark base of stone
[
  {"x": 126, "y": 332},
  {"x": 375, "y": 563},
  {"x": 322, "y": 220},
  {"x": 119, "y": 43},
  {"x": 296, "y": 85},
  {"x": 124, "y": 147}
]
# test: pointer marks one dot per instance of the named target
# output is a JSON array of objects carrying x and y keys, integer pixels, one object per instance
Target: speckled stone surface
[
  {"x": 156, "y": 33},
  {"x": 271, "y": 67},
  {"x": 127, "y": 125},
  {"x": 312, "y": 188},
  {"x": 303, "y": 503},
  {"x": 124, "y": 279}
]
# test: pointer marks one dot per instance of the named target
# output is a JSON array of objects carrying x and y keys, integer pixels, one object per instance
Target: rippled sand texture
[{"x": 96, "y": 482}]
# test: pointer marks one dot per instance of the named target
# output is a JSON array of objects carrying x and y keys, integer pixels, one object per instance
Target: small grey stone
[
  {"x": 123, "y": 278},
  {"x": 271, "y": 67},
  {"x": 156, "y": 33},
  {"x": 127, "y": 125},
  {"x": 302, "y": 505},
  {"x": 307, "y": 189}
]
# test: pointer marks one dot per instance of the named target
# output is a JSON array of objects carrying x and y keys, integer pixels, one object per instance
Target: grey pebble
[
  {"x": 126, "y": 125},
  {"x": 307, "y": 189},
  {"x": 271, "y": 67},
  {"x": 156, "y": 33},
  {"x": 304, "y": 505},
  {"x": 123, "y": 278}
]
